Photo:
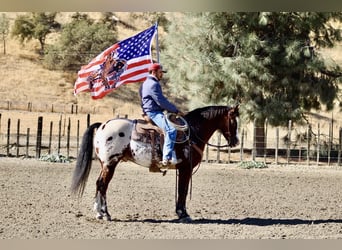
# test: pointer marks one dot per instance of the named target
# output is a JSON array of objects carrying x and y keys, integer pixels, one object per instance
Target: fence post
[
  {"x": 18, "y": 137},
  {"x": 50, "y": 136},
  {"x": 8, "y": 135},
  {"x": 318, "y": 142},
  {"x": 59, "y": 135},
  {"x": 68, "y": 138},
  {"x": 254, "y": 140},
  {"x": 218, "y": 147},
  {"x": 242, "y": 144},
  {"x": 88, "y": 120},
  {"x": 289, "y": 142},
  {"x": 39, "y": 136},
  {"x": 265, "y": 140},
  {"x": 339, "y": 147},
  {"x": 27, "y": 142},
  {"x": 308, "y": 129},
  {"x": 78, "y": 137},
  {"x": 300, "y": 148},
  {"x": 229, "y": 152},
  {"x": 330, "y": 141},
  {"x": 277, "y": 146}
]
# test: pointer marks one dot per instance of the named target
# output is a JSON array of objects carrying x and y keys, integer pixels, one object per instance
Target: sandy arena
[{"x": 279, "y": 202}]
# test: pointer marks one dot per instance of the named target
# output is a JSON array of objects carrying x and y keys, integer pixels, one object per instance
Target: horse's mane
[{"x": 206, "y": 113}]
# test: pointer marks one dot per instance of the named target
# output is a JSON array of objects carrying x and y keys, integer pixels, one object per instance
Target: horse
[{"x": 113, "y": 143}]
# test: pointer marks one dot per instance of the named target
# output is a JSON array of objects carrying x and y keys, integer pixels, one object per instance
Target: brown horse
[{"x": 114, "y": 143}]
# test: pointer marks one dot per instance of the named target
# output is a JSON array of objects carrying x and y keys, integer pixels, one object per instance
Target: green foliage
[
  {"x": 35, "y": 25},
  {"x": 80, "y": 41},
  {"x": 252, "y": 164},
  {"x": 23, "y": 28},
  {"x": 58, "y": 158},
  {"x": 271, "y": 62}
]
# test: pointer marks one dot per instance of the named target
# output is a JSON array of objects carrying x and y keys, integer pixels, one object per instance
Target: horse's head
[{"x": 229, "y": 127}]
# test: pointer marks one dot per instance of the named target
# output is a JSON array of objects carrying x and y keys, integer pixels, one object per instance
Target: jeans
[{"x": 170, "y": 133}]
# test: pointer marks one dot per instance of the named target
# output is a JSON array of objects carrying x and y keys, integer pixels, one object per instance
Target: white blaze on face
[{"x": 112, "y": 138}]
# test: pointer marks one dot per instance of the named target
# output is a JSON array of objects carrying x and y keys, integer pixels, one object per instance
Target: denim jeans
[{"x": 170, "y": 133}]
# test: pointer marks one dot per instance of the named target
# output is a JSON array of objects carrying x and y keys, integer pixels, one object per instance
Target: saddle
[{"x": 147, "y": 132}]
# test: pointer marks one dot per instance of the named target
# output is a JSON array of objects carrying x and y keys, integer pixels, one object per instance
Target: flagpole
[{"x": 157, "y": 43}]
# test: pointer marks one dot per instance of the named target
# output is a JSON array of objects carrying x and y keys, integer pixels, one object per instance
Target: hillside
[{"x": 24, "y": 80}]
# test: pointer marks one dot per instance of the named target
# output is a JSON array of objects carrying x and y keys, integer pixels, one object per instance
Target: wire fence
[
  {"x": 25, "y": 133},
  {"x": 51, "y": 107}
]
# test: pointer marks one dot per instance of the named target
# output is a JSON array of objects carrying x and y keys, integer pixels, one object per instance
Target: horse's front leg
[
  {"x": 185, "y": 173},
  {"x": 102, "y": 182}
]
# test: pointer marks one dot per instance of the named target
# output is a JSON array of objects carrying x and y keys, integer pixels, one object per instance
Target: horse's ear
[{"x": 236, "y": 109}]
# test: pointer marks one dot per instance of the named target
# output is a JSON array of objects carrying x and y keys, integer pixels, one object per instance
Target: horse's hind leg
[{"x": 102, "y": 182}]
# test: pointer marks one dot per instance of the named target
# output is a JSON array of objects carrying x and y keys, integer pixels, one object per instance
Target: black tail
[{"x": 84, "y": 159}]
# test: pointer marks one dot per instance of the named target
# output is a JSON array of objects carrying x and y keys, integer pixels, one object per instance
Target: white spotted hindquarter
[
  {"x": 141, "y": 153},
  {"x": 111, "y": 140}
]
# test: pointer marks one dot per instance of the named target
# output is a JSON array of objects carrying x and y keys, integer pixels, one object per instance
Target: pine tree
[{"x": 271, "y": 62}]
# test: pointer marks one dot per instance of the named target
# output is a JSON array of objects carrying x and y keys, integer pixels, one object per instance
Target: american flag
[{"x": 124, "y": 62}]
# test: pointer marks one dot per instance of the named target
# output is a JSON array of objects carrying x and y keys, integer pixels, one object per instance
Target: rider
[{"x": 153, "y": 103}]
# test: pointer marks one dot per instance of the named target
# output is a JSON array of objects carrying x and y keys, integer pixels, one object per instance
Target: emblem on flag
[{"x": 124, "y": 62}]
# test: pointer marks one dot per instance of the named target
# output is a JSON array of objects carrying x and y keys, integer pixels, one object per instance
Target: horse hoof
[
  {"x": 103, "y": 217},
  {"x": 108, "y": 218},
  {"x": 185, "y": 219}
]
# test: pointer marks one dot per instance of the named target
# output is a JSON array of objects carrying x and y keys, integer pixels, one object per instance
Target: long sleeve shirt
[{"x": 152, "y": 98}]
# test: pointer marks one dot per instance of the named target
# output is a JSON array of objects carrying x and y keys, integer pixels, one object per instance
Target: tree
[
  {"x": 35, "y": 25},
  {"x": 271, "y": 62},
  {"x": 80, "y": 41},
  {"x": 4, "y": 29}
]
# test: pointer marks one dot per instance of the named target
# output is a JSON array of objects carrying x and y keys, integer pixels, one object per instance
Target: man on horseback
[{"x": 153, "y": 104}]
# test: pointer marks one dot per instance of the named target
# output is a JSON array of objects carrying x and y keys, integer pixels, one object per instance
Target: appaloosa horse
[{"x": 116, "y": 140}]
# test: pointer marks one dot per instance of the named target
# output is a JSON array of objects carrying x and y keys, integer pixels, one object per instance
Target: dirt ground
[{"x": 227, "y": 202}]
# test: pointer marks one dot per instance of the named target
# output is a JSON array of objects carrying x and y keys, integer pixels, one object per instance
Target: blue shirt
[{"x": 152, "y": 98}]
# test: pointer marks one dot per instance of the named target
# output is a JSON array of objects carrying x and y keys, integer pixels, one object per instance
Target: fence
[{"x": 33, "y": 134}]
